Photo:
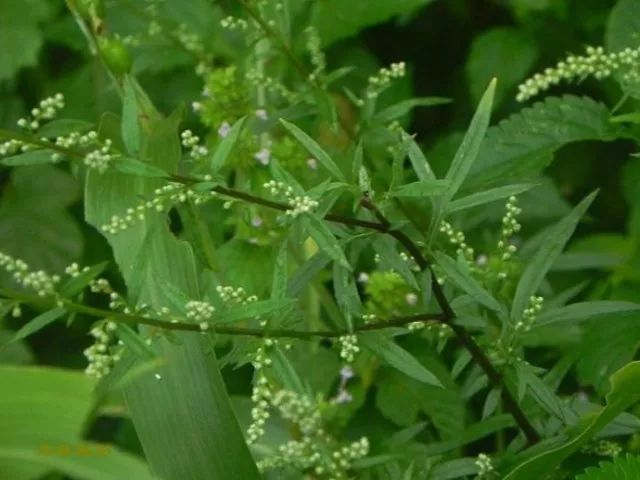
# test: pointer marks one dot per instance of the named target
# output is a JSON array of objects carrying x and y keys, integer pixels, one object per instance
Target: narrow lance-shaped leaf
[
  {"x": 625, "y": 391},
  {"x": 468, "y": 150},
  {"x": 486, "y": 196},
  {"x": 552, "y": 245},
  {"x": 580, "y": 312},
  {"x": 314, "y": 149},
  {"x": 325, "y": 240},
  {"x": 130, "y": 122},
  {"x": 397, "y": 357},
  {"x": 221, "y": 155},
  {"x": 466, "y": 282},
  {"x": 421, "y": 189},
  {"x": 346, "y": 293},
  {"x": 38, "y": 323}
]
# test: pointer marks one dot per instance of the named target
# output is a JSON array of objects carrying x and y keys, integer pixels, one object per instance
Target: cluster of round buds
[
  {"x": 192, "y": 143},
  {"x": 163, "y": 198},
  {"x": 261, "y": 397},
  {"x": 47, "y": 109},
  {"x": 605, "y": 448},
  {"x": 238, "y": 295},
  {"x": 100, "y": 158},
  {"x": 414, "y": 326},
  {"x": 260, "y": 79},
  {"x": 74, "y": 270},
  {"x": 458, "y": 239},
  {"x": 530, "y": 313},
  {"x": 484, "y": 464},
  {"x": 298, "y": 204},
  {"x": 99, "y": 355},
  {"x": 348, "y": 347},
  {"x": 11, "y": 147},
  {"x": 200, "y": 312},
  {"x": 100, "y": 285},
  {"x": 298, "y": 409},
  {"x": 510, "y": 226},
  {"x": 384, "y": 77},
  {"x": 318, "y": 59},
  {"x": 233, "y": 23},
  {"x": 595, "y": 63},
  {"x": 369, "y": 318},
  {"x": 262, "y": 392},
  {"x": 189, "y": 40},
  {"x": 411, "y": 261},
  {"x": 39, "y": 281}
]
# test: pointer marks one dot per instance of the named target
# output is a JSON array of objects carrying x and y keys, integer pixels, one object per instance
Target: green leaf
[
  {"x": 20, "y": 36},
  {"x": 130, "y": 117},
  {"x": 134, "y": 342},
  {"x": 397, "y": 357},
  {"x": 280, "y": 273},
  {"x": 184, "y": 420},
  {"x": 346, "y": 293},
  {"x": 421, "y": 189},
  {"x": 337, "y": 20},
  {"x": 524, "y": 143},
  {"x": 625, "y": 391},
  {"x": 36, "y": 324},
  {"x": 315, "y": 150},
  {"x": 580, "y": 312},
  {"x": 390, "y": 259},
  {"x": 552, "y": 245},
  {"x": 621, "y": 468},
  {"x": 63, "y": 126},
  {"x": 82, "y": 460},
  {"x": 623, "y": 26},
  {"x": 33, "y": 209},
  {"x": 225, "y": 147},
  {"x": 131, "y": 166},
  {"x": 40, "y": 406},
  {"x": 321, "y": 234},
  {"x": 33, "y": 157},
  {"x": 253, "y": 310},
  {"x": 418, "y": 160},
  {"x": 470, "y": 146},
  {"x": 462, "y": 277},
  {"x": 402, "y": 108},
  {"x": 487, "y": 196},
  {"x": 76, "y": 284},
  {"x": 506, "y": 53}
]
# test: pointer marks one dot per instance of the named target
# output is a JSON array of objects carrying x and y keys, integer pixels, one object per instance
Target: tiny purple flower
[
  {"x": 256, "y": 222},
  {"x": 224, "y": 129},
  {"x": 263, "y": 156},
  {"x": 346, "y": 372},
  {"x": 344, "y": 397}
]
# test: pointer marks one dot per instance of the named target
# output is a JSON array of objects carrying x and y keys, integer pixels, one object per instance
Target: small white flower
[
  {"x": 411, "y": 299},
  {"x": 261, "y": 113},
  {"x": 263, "y": 156},
  {"x": 224, "y": 129},
  {"x": 312, "y": 163}
]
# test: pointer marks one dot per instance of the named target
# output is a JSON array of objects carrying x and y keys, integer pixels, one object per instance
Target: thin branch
[{"x": 176, "y": 325}]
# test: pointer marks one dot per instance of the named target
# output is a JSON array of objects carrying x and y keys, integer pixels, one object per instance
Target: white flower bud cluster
[
  {"x": 300, "y": 410},
  {"x": 369, "y": 318},
  {"x": 233, "y": 295},
  {"x": 154, "y": 28},
  {"x": 262, "y": 393},
  {"x": 595, "y": 63},
  {"x": 384, "y": 77},
  {"x": 200, "y": 312},
  {"x": 163, "y": 198},
  {"x": 343, "y": 396},
  {"x": 39, "y": 281},
  {"x": 297, "y": 204},
  {"x": 190, "y": 40},
  {"x": 457, "y": 239},
  {"x": 74, "y": 270},
  {"x": 318, "y": 59},
  {"x": 411, "y": 261},
  {"x": 11, "y": 147},
  {"x": 317, "y": 455},
  {"x": 192, "y": 143},
  {"x": 485, "y": 466},
  {"x": 47, "y": 109},
  {"x": 233, "y": 23},
  {"x": 529, "y": 315},
  {"x": 100, "y": 158},
  {"x": 348, "y": 347},
  {"x": 605, "y": 448},
  {"x": 414, "y": 326},
  {"x": 510, "y": 226},
  {"x": 100, "y": 356}
]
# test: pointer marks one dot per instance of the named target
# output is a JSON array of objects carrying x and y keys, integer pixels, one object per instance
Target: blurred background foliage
[{"x": 452, "y": 48}]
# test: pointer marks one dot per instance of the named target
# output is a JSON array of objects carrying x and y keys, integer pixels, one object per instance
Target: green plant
[{"x": 374, "y": 314}]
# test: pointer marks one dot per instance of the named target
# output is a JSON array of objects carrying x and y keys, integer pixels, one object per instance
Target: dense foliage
[{"x": 285, "y": 239}]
